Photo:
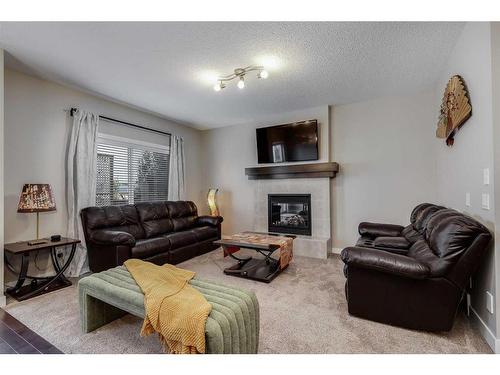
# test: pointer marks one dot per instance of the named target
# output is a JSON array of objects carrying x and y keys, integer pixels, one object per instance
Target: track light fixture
[{"x": 240, "y": 73}]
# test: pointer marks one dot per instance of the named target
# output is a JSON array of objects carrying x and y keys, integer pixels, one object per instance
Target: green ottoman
[{"x": 232, "y": 326}]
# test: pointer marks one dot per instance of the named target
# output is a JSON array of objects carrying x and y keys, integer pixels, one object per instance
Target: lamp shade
[
  {"x": 212, "y": 202},
  {"x": 36, "y": 198}
]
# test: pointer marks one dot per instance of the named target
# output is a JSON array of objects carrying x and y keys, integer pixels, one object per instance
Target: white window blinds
[{"x": 130, "y": 171}]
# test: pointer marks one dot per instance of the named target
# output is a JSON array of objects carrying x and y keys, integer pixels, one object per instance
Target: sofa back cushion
[
  {"x": 411, "y": 234},
  {"x": 453, "y": 235},
  {"x": 120, "y": 218},
  {"x": 155, "y": 218},
  {"x": 436, "y": 218},
  {"x": 417, "y": 210},
  {"x": 424, "y": 216},
  {"x": 450, "y": 238},
  {"x": 183, "y": 214}
]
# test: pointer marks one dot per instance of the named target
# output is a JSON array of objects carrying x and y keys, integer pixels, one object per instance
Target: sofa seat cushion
[
  {"x": 205, "y": 233},
  {"x": 150, "y": 246},
  {"x": 391, "y": 242},
  {"x": 180, "y": 239}
]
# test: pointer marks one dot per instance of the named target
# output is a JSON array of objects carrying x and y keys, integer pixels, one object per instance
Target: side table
[{"x": 39, "y": 285}]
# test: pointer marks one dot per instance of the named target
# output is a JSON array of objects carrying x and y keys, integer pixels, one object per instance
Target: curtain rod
[{"x": 72, "y": 110}]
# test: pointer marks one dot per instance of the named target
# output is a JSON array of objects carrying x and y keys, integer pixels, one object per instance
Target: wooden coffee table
[{"x": 265, "y": 268}]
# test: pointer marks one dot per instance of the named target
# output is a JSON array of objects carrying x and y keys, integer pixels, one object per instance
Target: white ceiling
[{"x": 168, "y": 68}]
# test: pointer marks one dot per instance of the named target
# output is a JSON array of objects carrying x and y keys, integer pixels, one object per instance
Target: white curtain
[
  {"x": 81, "y": 181},
  {"x": 176, "y": 177}
]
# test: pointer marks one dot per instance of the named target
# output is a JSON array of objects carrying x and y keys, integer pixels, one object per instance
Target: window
[{"x": 130, "y": 171}]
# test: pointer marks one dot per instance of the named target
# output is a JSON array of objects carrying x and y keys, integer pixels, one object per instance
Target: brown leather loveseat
[
  {"x": 418, "y": 280},
  {"x": 159, "y": 232}
]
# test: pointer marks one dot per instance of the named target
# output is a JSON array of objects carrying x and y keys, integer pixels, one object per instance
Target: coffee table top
[{"x": 255, "y": 240}]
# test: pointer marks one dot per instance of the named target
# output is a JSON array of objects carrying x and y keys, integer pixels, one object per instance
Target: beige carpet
[{"x": 302, "y": 311}]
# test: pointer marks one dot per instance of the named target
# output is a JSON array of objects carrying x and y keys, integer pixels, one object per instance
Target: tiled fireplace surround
[{"x": 318, "y": 244}]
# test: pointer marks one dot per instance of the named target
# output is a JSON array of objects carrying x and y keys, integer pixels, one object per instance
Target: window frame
[{"x": 129, "y": 143}]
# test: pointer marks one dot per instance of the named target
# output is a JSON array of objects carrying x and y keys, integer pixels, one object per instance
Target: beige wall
[
  {"x": 495, "y": 50},
  {"x": 36, "y": 134},
  {"x": 387, "y": 162},
  {"x": 460, "y": 167},
  {"x": 402, "y": 126},
  {"x": 2, "y": 297},
  {"x": 228, "y": 151}
]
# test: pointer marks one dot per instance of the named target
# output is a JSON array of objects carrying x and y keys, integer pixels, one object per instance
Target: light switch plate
[
  {"x": 486, "y": 176},
  {"x": 489, "y": 303},
  {"x": 485, "y": 201},
  {"x": 467, "y": 199}
]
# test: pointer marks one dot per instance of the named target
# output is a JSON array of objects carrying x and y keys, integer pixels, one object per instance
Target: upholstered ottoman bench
[{"x": 232, "y": 326}]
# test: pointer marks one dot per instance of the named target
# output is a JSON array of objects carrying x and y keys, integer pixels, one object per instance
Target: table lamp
[
  {"x": 36, "y": 198},
  {"x": 212, "y": 202}
]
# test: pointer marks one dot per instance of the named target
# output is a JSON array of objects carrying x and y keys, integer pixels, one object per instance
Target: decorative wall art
[{"x": 455, "y": 109}]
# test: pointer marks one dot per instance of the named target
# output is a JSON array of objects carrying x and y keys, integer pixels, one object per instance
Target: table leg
[
  {"x": 51, "y": 280},
  {"x": 267, "y": 257},
  {"x": 240, "y": 260},
  {"x": 22, "y": 275},
  {"x": 55, "y": 263}
]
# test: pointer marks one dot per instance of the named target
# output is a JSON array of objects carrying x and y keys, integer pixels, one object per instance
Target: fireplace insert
[{"x": 289, "y": 213}]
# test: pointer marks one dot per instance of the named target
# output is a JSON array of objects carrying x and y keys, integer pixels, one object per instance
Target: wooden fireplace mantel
[{"x": 311, "y": 170}]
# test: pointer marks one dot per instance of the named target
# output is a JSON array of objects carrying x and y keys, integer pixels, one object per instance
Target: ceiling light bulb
[
  {"x": 263, "y": 74},
  {"x": 241, "y": 83},
  {"x": 218, "y": 86}
]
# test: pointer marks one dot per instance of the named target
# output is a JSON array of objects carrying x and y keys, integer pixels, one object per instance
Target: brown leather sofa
[
  {"x": 418, "y": 285},
  {"x": 159, "y": 232}
]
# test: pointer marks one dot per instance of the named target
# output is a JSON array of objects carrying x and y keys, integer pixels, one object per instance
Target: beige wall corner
[
  {"x": 2, "y": 297},
  {"x": 495, "y": 73}
]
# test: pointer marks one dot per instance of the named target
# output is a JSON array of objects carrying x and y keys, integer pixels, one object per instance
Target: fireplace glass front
[{"x": 289, "y": 213}]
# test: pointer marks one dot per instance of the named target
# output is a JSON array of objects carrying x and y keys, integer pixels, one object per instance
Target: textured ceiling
[{"x": 168, "y": 68}]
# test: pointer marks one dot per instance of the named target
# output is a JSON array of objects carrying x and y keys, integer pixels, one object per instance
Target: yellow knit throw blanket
[{"x": 174, "y": 309}]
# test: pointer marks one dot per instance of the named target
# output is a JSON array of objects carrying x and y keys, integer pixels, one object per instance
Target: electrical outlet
[
  {"x": 485, "y": 201},
  {"x": 486, "y": 176},
  {"x": 467, "y": 199},
  {"x": 489, "y": 303}
]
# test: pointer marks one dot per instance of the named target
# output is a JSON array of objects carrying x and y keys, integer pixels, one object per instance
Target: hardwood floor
[{"x": 16, "y": 338}]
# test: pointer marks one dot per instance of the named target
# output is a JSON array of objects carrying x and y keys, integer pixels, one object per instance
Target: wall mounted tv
[{"x": 289, "y": 142}]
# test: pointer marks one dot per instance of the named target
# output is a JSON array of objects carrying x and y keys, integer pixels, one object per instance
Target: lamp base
[{"x": 37, "y": 242}]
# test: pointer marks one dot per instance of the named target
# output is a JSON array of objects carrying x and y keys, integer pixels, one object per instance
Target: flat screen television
[{"x": 288, "y": 142}]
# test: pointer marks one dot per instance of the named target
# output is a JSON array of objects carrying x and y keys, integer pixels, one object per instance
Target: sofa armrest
[
  {"x": 112, "y": 237},
  {"x": 378, "y": 229},
  {"x": 383, "y": 261},
  {"x": 209, "y": 220}
]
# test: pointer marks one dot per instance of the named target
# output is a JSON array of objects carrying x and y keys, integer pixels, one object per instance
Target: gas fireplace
[{"x": 289, "y": 213}]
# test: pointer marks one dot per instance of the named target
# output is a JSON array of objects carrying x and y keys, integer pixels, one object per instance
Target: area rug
[{"x": 302, "y": 311}]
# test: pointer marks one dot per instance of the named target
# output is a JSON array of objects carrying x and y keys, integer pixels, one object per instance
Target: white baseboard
[
  {"x": 485, "y": 331},
  {"x": 336, "y": 250}
]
